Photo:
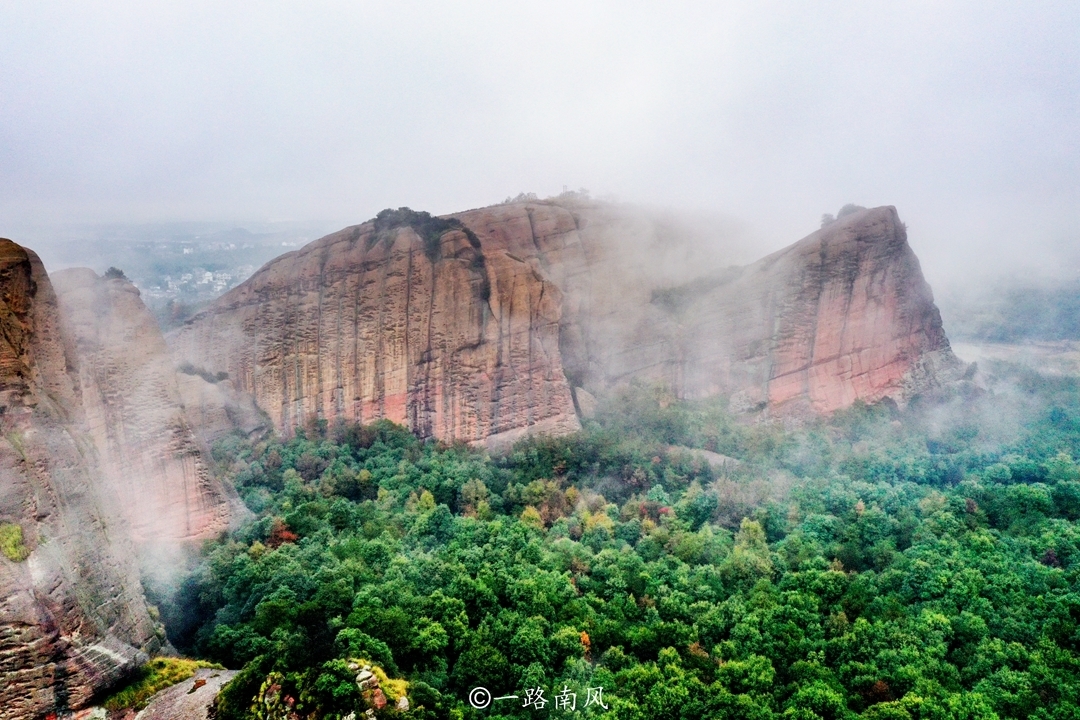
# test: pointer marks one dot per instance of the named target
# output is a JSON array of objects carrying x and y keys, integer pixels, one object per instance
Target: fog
[{"x": 964, "y": 116}]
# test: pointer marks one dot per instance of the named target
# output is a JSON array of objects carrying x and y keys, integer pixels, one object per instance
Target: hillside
[{"x": 879, "y": 563}]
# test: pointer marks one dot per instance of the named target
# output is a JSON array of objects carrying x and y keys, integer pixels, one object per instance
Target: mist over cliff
[
  {"x": 509, "y": 319},
  {"x": 528, "y": 319},
  {"x": 781, "y": 420},
  {"x": 105, "y": 487}
]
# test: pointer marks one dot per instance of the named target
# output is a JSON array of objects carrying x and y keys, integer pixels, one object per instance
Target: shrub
[
  {"x": 212, "y": 378},
  {"x": 429, "y": 228},
  {"x": 11, "y": 542}
]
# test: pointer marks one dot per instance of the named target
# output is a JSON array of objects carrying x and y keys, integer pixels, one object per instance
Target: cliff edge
[
  {"x": 488, "y": 324},
  {"x": 72, "y": 614}
]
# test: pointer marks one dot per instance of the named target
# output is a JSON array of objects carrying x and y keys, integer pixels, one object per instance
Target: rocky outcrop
[
  {"x": 451, "y": 340},
  {"x": 842, "y": 315},
  {"x": 509, "y": 319},
  {"x": 72, "y": 614},
  {"x": 132, "y": 410},
  {"x": 103, "y": 474},
  {"x": 192, "y": 699}
]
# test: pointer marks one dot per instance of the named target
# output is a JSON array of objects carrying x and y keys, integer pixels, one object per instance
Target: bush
[
  {"x": 212, "y": 378},
  {"x": 428, "y": 227},
  {"x": 11, "y": 542},
  {"x": 849, "y": 209}
]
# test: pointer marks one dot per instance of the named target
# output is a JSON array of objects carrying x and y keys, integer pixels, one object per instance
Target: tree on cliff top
[
  {"x": 428, "y": 227},
  {"x": 848, "y": 210}
]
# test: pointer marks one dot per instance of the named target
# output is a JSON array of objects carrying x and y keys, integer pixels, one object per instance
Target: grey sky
[{"x": 965, "y": 115}]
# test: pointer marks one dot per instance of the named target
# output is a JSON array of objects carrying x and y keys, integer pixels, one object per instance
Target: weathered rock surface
[
  {"x": 72, "y": 614},
  {"x": 365, "y": 325},
  {"x": 486, "y": 338},
  {"x": 214, "y": 408},
  {"x": 842, "y": 315},
  {"x": 188, "y": 700},
  {"x": 132, "y": 409}
]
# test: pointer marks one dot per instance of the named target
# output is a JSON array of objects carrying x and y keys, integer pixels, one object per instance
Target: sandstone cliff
[
  {"x": 72, "y": 614},
  {"x": 435, "y": 333},
  {"x": 842, "y": 315},
  {"x": 489, "y": 328},
  {"x": 214, "y": 407},
  {"x": 132, "y": 410}
]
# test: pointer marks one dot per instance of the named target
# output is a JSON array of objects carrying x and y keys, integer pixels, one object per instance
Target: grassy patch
[
  {"x": 151, "y": 678},
  {"x": 11, "y": 542},
  {"x": 16, "y": 441},
  {"x": 392, "y": 688}
]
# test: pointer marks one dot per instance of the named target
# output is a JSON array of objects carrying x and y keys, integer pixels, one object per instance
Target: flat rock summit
[{"x": 493, "y": 323}]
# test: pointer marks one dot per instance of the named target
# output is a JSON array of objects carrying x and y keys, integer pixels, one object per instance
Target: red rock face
[
  {"x": 490, "y": 340},
  {"x": 72, "y": 614},
  {"x": 842, "y": 315},
  {"x": 101, "y": 469},
  {"x": 361, "y": 326},
  {"x": 858, "y": 320},
  {"x": 131, "y": 407}
]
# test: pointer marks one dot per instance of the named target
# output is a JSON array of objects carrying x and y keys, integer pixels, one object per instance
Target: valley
[{"x": 524, "y": 448}]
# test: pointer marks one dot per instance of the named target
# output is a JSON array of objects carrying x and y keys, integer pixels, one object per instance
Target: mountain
[
  {"x": 481, "y": 326},
  {"x": 103, "y": 483},
  {"x": 72, "y": 614},
  {"x": 493, "y": 323},
  {"x": 134, "y": 413}
]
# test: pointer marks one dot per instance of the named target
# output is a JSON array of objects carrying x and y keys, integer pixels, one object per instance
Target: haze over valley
[{"x": 411, "y": 362}]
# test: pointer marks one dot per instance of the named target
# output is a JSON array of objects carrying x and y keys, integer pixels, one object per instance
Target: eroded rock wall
[
  {"x": 72, "y": 614},
  {"x": 460, "y": 344},
  {"x": 489, "y": 340},
  {"x": 133, "y": 411},
  {"x": 214, "y": 408},
  {"x": 842, "y": 315}
]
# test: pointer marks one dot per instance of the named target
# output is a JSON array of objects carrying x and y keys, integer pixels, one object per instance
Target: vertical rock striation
[
  {"x": 528, "y": 309},
  {"x": 72, "y": 614},
  {"x": 101, "y": 471},
  {"x": 452, "y": 340},
  {"x": 132, "y": 410},
  {"x": 842, "y": 315}
]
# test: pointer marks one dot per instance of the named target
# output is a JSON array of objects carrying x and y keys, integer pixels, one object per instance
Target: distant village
[
  {"x": 198, "y": 282},
  {"x": 179, "y": 269}
]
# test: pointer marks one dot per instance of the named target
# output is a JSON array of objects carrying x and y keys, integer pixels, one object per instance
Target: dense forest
[{"x": 892, "y": 563}]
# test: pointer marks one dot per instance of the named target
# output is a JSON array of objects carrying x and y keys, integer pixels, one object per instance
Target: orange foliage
[{"x": 281, "y": 534}]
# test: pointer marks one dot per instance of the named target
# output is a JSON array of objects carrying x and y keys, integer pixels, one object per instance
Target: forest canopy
[{"x": 880, "y": 563}]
